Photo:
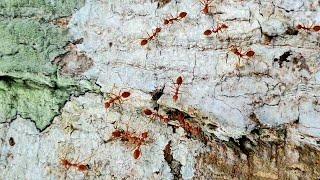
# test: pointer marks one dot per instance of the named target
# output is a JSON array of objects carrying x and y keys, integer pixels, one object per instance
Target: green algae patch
[
  {"x": 29, "y": 46},
  {"x": 30, "y": 84},
  {"x": 47, "y": 9},
  {"x": 35, "y": 100}
]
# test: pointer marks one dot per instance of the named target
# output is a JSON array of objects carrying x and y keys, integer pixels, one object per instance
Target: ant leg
[
  {"x": 310, "y": 27},
  {"x": 203, "y": 3},
  {"x": 239, "y": 61}
]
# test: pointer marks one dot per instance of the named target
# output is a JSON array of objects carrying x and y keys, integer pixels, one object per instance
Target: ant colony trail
[{"x": 165, "y": 89}]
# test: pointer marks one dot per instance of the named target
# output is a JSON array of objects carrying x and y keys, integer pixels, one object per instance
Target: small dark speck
[
  {"x": 11, "y": 141},
  {"x": 110, "y": 44}
]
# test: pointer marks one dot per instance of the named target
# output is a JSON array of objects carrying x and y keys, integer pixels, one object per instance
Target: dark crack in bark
[{"x": 174, "y": 165}]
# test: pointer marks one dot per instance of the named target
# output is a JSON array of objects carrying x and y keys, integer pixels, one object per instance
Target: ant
[
  {"x": 187, "y": 126},
  {"x": 132, "y": 139},
  {"x": 80, "y": 167},
  {"x": 237, "y": 51},
  {"x": 206, "y": 7},
  {"x": 177, "y": 85},
  {"x": 118, "y": 98},
  {"x": 178, "y": 18},
  {"x": 208, "y": 32},
  {"x": 155, "y": 115},
  {"x": 311, "y": 28},
  {"x": 153, "y": 36}
]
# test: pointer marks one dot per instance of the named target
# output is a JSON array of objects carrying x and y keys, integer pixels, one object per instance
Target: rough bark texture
[{"x": 65, "y": 68}]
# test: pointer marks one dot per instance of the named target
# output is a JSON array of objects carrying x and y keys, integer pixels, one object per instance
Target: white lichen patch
[{"x": 212, "y": 83}]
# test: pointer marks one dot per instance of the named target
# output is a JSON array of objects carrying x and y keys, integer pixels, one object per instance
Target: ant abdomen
[
  {"x": 144, "y": 42},
  {"x": 316, "y": 28},
  {"x": 250, "y": 53},
  {"x": 83, "y": 167},
  {"x": 179, "y": 80},
  {"x": 207, "y": 32},
  {"x": 183, "y": 14},
  {"x": 125, "y": 94},
  {"x": 137, "y": 153},
  {"x": 147, "y": 112}
]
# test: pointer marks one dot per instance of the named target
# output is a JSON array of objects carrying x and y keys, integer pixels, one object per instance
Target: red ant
[
  {"x": 206, "y": 7},
  {"x": 153, "y": 36},
  {"x": 208, "y": 32},
  {"x": 80, "y": 167},
  {"x": 177, "y": 88},
  {"x": 187, "y": 126},
  {"x": 311, "y": 28},
  {"x": 132, "y": 139},
  {"x": 178, "y": 18},
  {"x": 155, "y": 115},
  {"x": 237, "y": 51},
  {"x": 118, "y": 98}
]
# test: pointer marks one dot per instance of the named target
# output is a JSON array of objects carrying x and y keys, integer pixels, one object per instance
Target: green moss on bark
[{"x": 30, "y": 85}]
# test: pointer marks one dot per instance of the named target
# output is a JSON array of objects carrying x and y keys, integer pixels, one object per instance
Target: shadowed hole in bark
[
  {"x": 243, "y": 143},
  {"x": 268, "y": 38},
  {"x": 11, "y": 141},
  {"x": 157, "y": 93},
  {"x": 282, "y": 58}
]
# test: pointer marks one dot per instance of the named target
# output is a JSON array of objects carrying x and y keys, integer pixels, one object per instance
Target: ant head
[
  {"x": 207, "y": 32},
  {"x": 158, "y": 30},
  {"x": 224, "y": 26},
  {"x": 83, "y": 167},
  {"x": 137, "y": 153},
  {"x": 125, "y": 94},
  {"x": 179, "y": 80},
  {"x": 205, "y": 10},
  {"x": 116, "y": 133},
  {"x": 250, "y": 53},
  {"x": 144, "y": 42},
  {"x": 316, "y": 28},
  {"x": 166, "y": 22},
  {"x": 107, "y": 105},
  {"x": 299, "y": 26},
  {"x": 144, "y": 135},
  {"x": 65, "y": 162},
  {"x": 233, "y": 48},
  {"x": 147, "y": 112},
  {"x": 183, "y": 14}
]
